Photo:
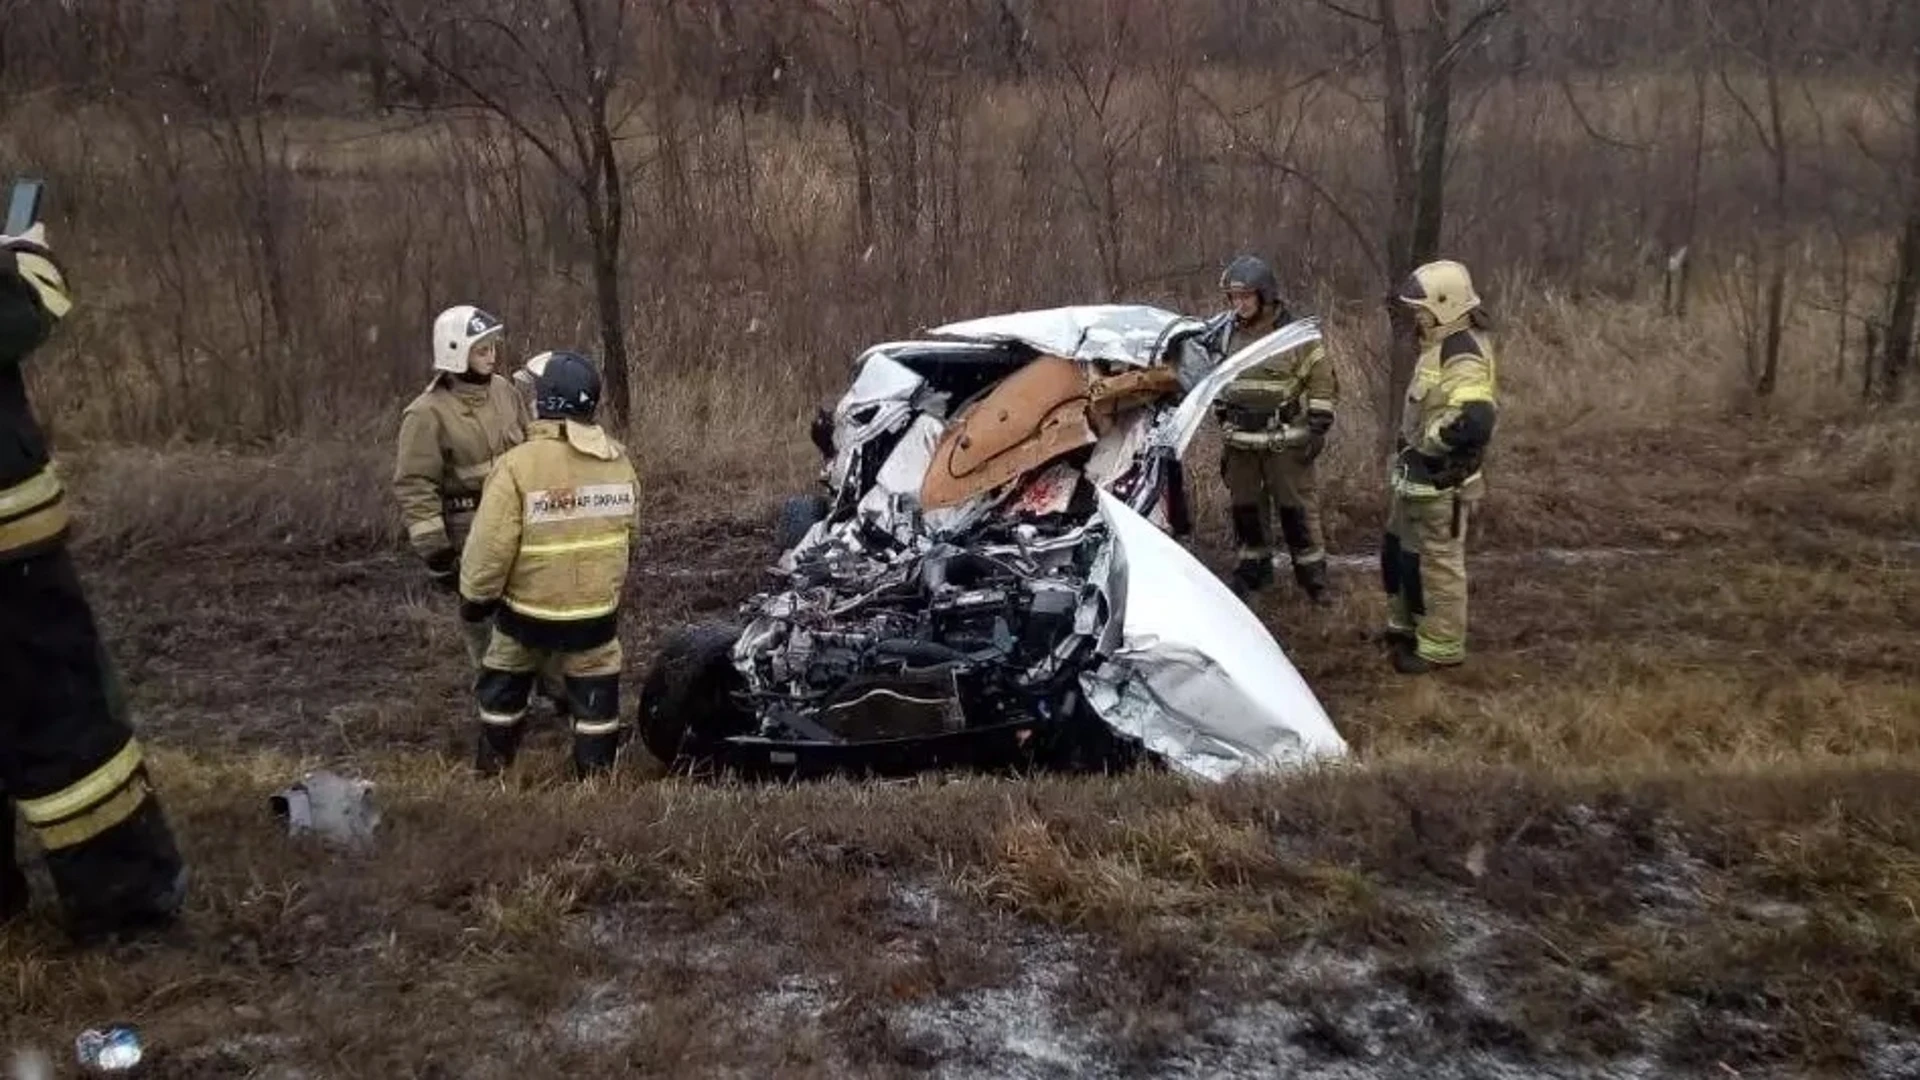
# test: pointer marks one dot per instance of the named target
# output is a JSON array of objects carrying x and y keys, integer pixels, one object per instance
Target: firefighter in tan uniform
[
  {"x": 545, "y": 563},
  {"x": 69, "y": 761},
  {"x": 450, "y": 437},
  {"x": 1451, "y": 407},
  {"x": 1274, "y": 420}
]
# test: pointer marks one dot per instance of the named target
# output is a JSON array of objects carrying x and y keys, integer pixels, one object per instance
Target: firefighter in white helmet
[
  {"x": 1452, "y": 406},
  {"x": 450, "y": 437}
]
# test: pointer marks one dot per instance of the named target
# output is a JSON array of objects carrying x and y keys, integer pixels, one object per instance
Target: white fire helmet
[{"x": 456, "y": 332}]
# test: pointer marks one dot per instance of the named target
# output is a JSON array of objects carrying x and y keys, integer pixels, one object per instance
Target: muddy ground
[{"x": 1664, "y": 825}]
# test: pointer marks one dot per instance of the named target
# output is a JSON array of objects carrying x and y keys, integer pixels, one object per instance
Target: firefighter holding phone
[{"x": 69, "y": 762}]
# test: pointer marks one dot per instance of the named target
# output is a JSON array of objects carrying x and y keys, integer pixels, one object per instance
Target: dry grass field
[{"x": 1665, "y": 822}]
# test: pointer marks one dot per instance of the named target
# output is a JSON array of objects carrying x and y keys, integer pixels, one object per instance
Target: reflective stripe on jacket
[
  {"x": 33, "y": 505},
  {"x": 1451, "y": 408},
  {"x": 1283, "y": 389}
]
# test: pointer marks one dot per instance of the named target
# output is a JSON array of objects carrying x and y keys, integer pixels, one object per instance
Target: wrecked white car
[{"x": 989, "y": 580}]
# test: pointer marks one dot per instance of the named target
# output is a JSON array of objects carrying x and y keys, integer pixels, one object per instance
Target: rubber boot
[
  {"x": 13, "y": 884},
  {"x": 1313, "y": 578},
  {"x": 14, "y": 895},
  {"x": 593, "y": 755},
  {"x": 1408, "y": 661},
  {"x": 499, "y": 744},
  {"x": 1252, "y": 575},
  {"x": 125, "y": 882}
]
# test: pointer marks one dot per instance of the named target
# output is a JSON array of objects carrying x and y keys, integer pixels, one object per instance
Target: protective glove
[
  {"x": 1318, "y": 425},
  {"x": 1442, "y": 471},
  {"x": 33, "y": 240},
  {"x": 37, "y": 268},
  {"x": 477, "y": 610},
  {"x": 1315, "y": 445},
  {"x": 444, "y": 567}
]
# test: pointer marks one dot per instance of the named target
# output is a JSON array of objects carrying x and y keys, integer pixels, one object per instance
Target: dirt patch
[{"x": 1663, "y": 824}]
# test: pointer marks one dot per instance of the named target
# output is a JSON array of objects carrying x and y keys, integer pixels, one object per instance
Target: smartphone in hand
[{"x": 23, "y": 208}]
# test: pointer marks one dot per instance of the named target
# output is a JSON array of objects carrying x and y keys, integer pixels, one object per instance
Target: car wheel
[
  {"x": 797, "y": 515},
  {"x": 1083, "y": 743},
  {"x": 687, "y": 706}
]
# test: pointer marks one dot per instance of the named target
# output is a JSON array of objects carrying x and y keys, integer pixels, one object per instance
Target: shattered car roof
[{"x": 1117, "y": 333}]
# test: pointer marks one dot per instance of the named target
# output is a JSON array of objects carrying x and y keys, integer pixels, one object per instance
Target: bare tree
[
  {"x": 1417, "y": 115},
  {"x": 228, "y": 88},
  {"x": 552, "y": 76},
  {"x": 1903, "y": 294},
  {"x": 1680, "y": 262},
  {"x": 1769, "y": 127},
  {"x": 1096, "y": 133}
]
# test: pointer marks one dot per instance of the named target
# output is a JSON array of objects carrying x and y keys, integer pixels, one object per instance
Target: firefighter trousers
[
  {"x": 478, "y": 637},
  {"x": 591, "y": 683},
  {"x": 1268, "y": 485},
  {"x": 1423, "y": 565},
  {"x": 69, "y": 762}
]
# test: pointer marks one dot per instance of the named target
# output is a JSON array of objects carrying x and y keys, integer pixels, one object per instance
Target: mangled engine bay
[
  {"x": 994, "y": 495},
  {"x": 931, "y": 643}
]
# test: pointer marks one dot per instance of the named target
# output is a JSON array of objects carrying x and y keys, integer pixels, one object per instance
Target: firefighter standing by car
[
  {"x": 450, "y": 438},
  {"x": 1274, "y": 419},
  {"x": 544, "y": 565},
  {"x": 1449, "y": 417},
  {"x": 69, "y": 761}
]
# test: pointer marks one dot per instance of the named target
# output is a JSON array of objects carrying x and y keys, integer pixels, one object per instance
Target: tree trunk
[
  {"x": 1846, "y": 300},
  {"x": 1399, "y": 145},
  {"x": 1782, "y": 245},
  {"x": 1403, "y": 346},
  {"x": 1904, "y": 294},
  {"x": 1776, "y": 317},
  {"x": 1691, "y": 223},
  {"x": 1436, "y": 107},
  {"x": 853, "y": 119},
  {"x": 607, "y": 226},
  {"x": 1896, "y": 344}
]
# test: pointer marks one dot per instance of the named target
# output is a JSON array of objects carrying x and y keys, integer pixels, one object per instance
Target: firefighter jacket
[
  {"x": 548, "y": 551},
  {"x": 1451, "y": 408},
  {"x": 450, "y": 438},
  {"x": 33, "y": 505},
  {"x": 1287, "y": 397}
]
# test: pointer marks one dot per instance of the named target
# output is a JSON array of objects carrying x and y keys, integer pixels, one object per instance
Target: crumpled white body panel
[
  {"x": 900, "y": 477},
  {"x": 1117, "y": 333},
  {"x": 1191, "y": 672},
  {"x": 1180, "y": 427}
]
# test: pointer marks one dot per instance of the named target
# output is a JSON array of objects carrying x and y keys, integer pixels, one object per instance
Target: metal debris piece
[
  {"x": 110, "y": 1049},
  {"x": 336, "y": 807}
]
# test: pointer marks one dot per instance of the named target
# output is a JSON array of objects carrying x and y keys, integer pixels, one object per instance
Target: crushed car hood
[
  {"x": 1190, "y": 671},
  {"x": 1116, "y": 333}
]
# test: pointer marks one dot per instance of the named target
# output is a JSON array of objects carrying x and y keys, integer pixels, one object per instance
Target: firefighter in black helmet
[
  {"x": 1274, "y": 419},
  {"x": 69, "y": 762},
  {"x": 545, "y": 563}
]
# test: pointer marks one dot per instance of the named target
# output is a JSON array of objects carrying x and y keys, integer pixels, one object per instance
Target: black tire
[
  {"x": 1082, "y": 743},
  {"x": 686, "y": 701},
  {"x": 797, "y": 514}
]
